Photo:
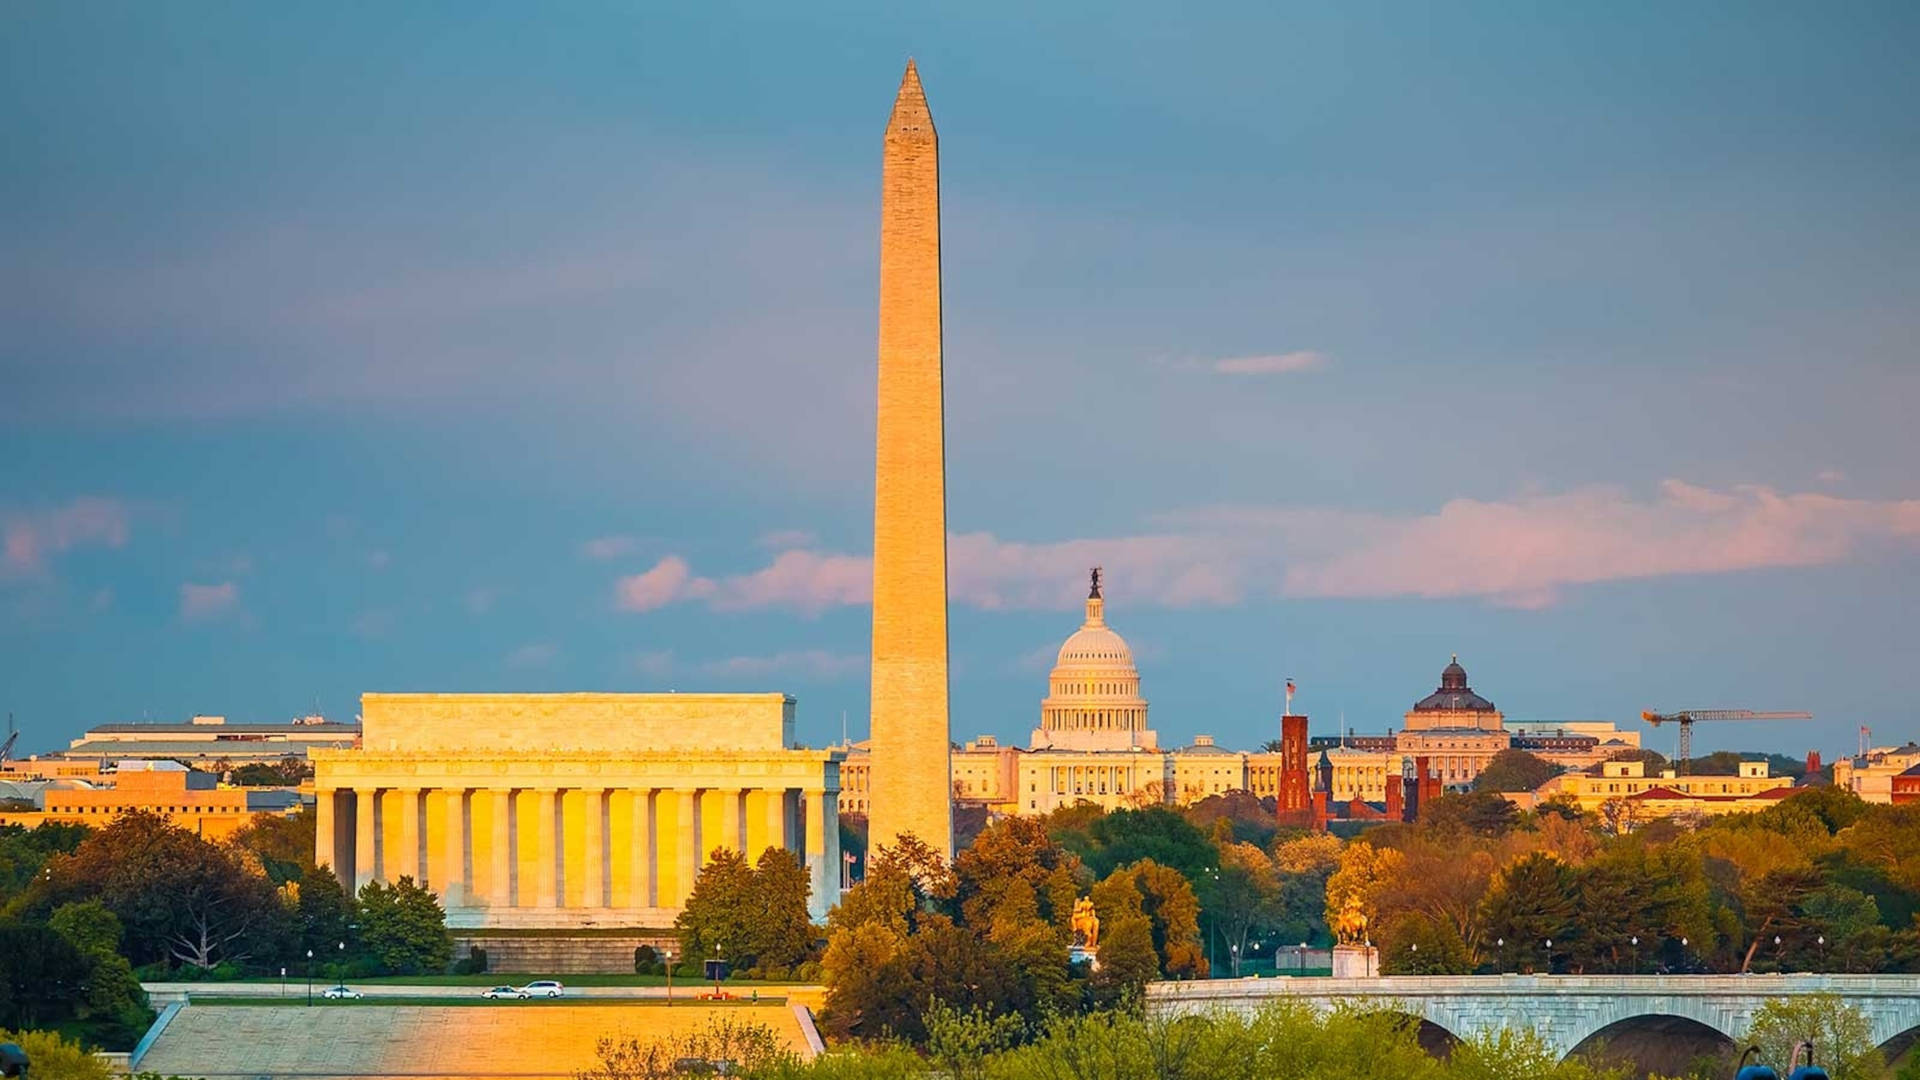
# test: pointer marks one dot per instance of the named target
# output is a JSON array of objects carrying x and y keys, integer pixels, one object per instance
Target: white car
[
  {"x": 500, "y": 992},
  {"x": 542, "y": 988},
  {"x": 340, "y": 993}
]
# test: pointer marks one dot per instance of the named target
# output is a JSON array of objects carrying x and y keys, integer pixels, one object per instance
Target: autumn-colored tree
[
  {"x": 1016, "y": 851},
  {"x": 1127, "y": 959},
  {"x": 1364, "y": 877},
  {"x": 1168, "y": 902}
]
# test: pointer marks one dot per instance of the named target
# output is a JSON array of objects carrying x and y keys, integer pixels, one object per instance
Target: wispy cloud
[
  {"x": 480, "y": 601},
  {"x": 601, "y": 548},
  {"x": 204, "y": 603},
  {"x": 29, "y": 539},
  {"x": 1272, "y": 363},
  {"x": 1521, "y": 552}
]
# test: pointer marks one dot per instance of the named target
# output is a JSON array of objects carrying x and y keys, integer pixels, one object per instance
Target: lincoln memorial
[{"x": 573, "y": 810}]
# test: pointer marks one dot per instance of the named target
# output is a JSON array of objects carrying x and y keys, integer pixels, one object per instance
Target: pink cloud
[
  {"x": 28, "y": 540},
  {"x": 200, "y": 603},
  {"x": 669, "y": 582},
  {"x": 804, "y": 580},
  {"x": 1273, "y": 364},
  {"x": 1523, "y": 553}
]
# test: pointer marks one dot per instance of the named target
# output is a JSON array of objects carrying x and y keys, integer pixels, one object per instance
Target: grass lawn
[
  {"x": 502, "y": 978},
  {"x": 464, "y": 1000}
]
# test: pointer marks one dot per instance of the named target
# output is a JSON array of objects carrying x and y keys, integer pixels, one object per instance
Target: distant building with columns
[{"x": 573, "y": 810}]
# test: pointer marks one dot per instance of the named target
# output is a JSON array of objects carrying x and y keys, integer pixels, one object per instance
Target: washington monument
[{"x": 911, "y": 782}]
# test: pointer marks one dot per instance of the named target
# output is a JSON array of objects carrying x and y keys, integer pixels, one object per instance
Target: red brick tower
[{"x": 1293, "y": 764}]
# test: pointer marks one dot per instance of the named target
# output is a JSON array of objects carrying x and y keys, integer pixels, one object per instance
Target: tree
[
  {"x": 1842, "y": 1035},
  {"x": 1417, "y": 944},
  {"x": 403, "y": 928},
  {"x": 24, "y": 852},
  {"x": 1015, "y": 852},
  {"x": 779, "y": 933},
  {"x": 1532, "y": 902},
  {"x": 42, "y": 976},
  {"x": 716, "y": 922},
  {"x": 1364, "y": 877},
  {"x": 177, "y": 896},
  {"x": 1244, "y": 894},
  {"x": 1481, "y": 812},
  {"x": 1125, "y": 837},
  {"x": 1127, "y": 960},
  {"x": 56, "y": 1057},
  {"x": 284, "y": 844},
  {"x": 112, "y": 1006},
  {"x": 1170, "y": 905},
  {"x": 1514, "y": 770},
  {"x": 324, "y": 911},
  {"x": 88, "y": 925}
]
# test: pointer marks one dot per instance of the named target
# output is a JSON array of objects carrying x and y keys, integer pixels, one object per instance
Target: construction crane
[
  {"x": 1686, "y": 718},
  {"x": 6, "y": 748}
]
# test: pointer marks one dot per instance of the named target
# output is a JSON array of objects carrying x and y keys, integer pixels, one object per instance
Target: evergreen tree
[{"x": 403, "y": 928}]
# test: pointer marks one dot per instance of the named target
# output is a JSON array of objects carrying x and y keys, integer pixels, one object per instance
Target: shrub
[
  {"x": 474, "y": 963},
  {"x": 646, "y": 961}
]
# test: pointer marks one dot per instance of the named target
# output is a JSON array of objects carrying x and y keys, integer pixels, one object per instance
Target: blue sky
[{"x": 431, "y": 347}]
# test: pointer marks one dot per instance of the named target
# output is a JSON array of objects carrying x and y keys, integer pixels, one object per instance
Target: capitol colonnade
[{"x": 573, "y": 836}]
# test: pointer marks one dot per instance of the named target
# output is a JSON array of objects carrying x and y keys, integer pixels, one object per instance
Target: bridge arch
[
  {"x": 1663, "y": 1044},
  {"x": 1901, "y": 1044}
]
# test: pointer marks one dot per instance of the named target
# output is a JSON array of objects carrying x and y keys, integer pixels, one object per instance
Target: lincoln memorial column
[
  {"x": 776, "y": 818},
  {"x": 687, "y": 851},
  {"x": 729, "y": 819},
  {"x": 456, "y": 886},
  {"x": 500, "y": 853},
  {"x": 643, "y": 860},
  {"x": 546, "y": 879},
  {"x": 408, "y": 864},
  {"x": 820, "y": 870},
  {"x": 593, "y": 860},
  {"x": 366, "y": 836},
  {"x": 326, "y": 839}
]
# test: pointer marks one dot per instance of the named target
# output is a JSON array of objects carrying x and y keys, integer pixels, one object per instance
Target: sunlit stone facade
[{"x": 573, "y": 810}]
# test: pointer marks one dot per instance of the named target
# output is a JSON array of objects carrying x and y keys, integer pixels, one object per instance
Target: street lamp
[
  {"x": 309, "y": 976},
  {"x": 1635, "y": 942},
  {"x": 1549, "y": 956},
  {"x": 1234, "y": 952},
  {"x": 1684, "y": 961},
  {"x": 1821, "y": 941},
  {"x": 667, "y": 953}
]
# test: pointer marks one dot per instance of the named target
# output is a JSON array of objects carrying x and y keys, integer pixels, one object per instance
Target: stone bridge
[{"x": 1567, "y": 1010}]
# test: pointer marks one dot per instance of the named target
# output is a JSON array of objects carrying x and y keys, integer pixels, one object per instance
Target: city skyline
[{"x": 1331, "y": 394}]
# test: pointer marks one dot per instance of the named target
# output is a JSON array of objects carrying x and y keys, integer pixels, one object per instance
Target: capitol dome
[{"x": 1093, "y": 693}]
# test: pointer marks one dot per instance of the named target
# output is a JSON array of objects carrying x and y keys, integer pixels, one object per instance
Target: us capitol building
[{"x": 1093, "y": 744}]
